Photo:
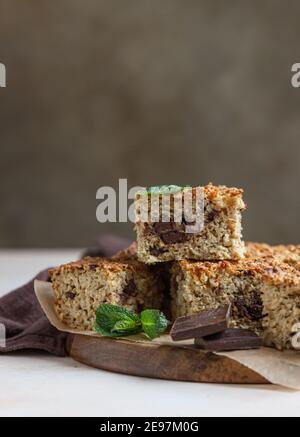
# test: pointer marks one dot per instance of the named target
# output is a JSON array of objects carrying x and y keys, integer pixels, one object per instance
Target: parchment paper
[{"x": 280, "y": 368}]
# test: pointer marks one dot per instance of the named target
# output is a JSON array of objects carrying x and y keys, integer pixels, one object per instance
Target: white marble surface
[{"x": 39, "y": 384}]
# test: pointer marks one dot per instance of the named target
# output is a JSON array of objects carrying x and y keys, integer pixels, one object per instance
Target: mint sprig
[
  {"x": 113, "y": 321},
  {"x": 116, "y": 321},
  {"x": 153, "y": 323},
  {"x": 162, "y": 190}
]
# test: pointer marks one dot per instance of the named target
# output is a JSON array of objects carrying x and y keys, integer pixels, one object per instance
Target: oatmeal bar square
[
  {"x": 263, "y": 289},
  {"x": 80, "y": 287},
  {"x": 220, "y": 237}
]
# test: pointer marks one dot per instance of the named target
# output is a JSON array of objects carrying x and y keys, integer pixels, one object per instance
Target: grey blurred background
[{"x": 160, "y": 91}]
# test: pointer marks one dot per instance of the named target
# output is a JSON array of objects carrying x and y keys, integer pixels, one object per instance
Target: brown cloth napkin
[{"x": 27, "y": 327}]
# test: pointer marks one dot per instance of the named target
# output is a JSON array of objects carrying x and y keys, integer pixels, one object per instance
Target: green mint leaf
[
  {"x": 108, "y": 316},
  {"x": 102, "y": 331},
  {"x": 127, "y": 327},
  {"x": 116, "y": 321},
  {"x": 163, "y": 189},
  {"x": 153, "y": 323},
  {"x": 163, "y": 323}
]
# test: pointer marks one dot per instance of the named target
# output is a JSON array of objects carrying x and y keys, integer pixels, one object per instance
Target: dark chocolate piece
[
  {"x": 201, "y": 324},
  {"x": 128, "y": 292},
  {"x": 162, "y": 227},
  {"x": 130, "y": 288},
  {"x": 230, "y": 340},
  {"x": 251, "y": 308},
  {"x": 171, "y": 232},
  {"x": 174, "y": 237},
  {"x": 211, "y": 216},
  {"x": 156, "y": 251},
  {"x": 70, "y": 295}
]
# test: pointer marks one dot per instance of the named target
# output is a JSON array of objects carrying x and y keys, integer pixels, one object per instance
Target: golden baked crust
[
  {"x": 120, "y": 262},
  {"x": 288, "y": 253},
  {"x": 224, "y": 194},
  {"x": 270, "y": 270}
]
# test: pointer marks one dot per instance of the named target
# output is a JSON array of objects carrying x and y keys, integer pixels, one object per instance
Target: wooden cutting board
[{"x": 179, "y": 363}]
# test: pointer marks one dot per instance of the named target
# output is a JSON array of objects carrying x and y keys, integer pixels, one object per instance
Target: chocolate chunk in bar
[
  {"x": 128, "y": 292},
  {"x": 251, "y": 308},
  {"x": 156, "y": 252},
  {"x": 171, "y": 232},
  {"x": 201, "y": 324},
  {"x": 230, "y": 340}
]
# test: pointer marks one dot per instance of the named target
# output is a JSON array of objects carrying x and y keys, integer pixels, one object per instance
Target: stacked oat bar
[
  {"x": 219, "y": 238},
  {"x": 196, "y": 271},
  {"x": 214, "y": 267}
]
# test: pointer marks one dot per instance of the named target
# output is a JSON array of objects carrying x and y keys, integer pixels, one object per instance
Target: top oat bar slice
[{"x": 220, "y": 238}]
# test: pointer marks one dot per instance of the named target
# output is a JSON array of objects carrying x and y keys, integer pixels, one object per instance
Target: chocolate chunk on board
[
  {"x": 230, "y": 340},
  {"x": 201, "y": 324}
]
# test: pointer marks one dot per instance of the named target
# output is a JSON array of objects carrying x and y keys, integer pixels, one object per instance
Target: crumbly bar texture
[
  {"x": 263, "y": 288},
  {"x": 220, "y": 238},
  {"x": 82, "y": 286},
  {"x": 289, "y": 254}
]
